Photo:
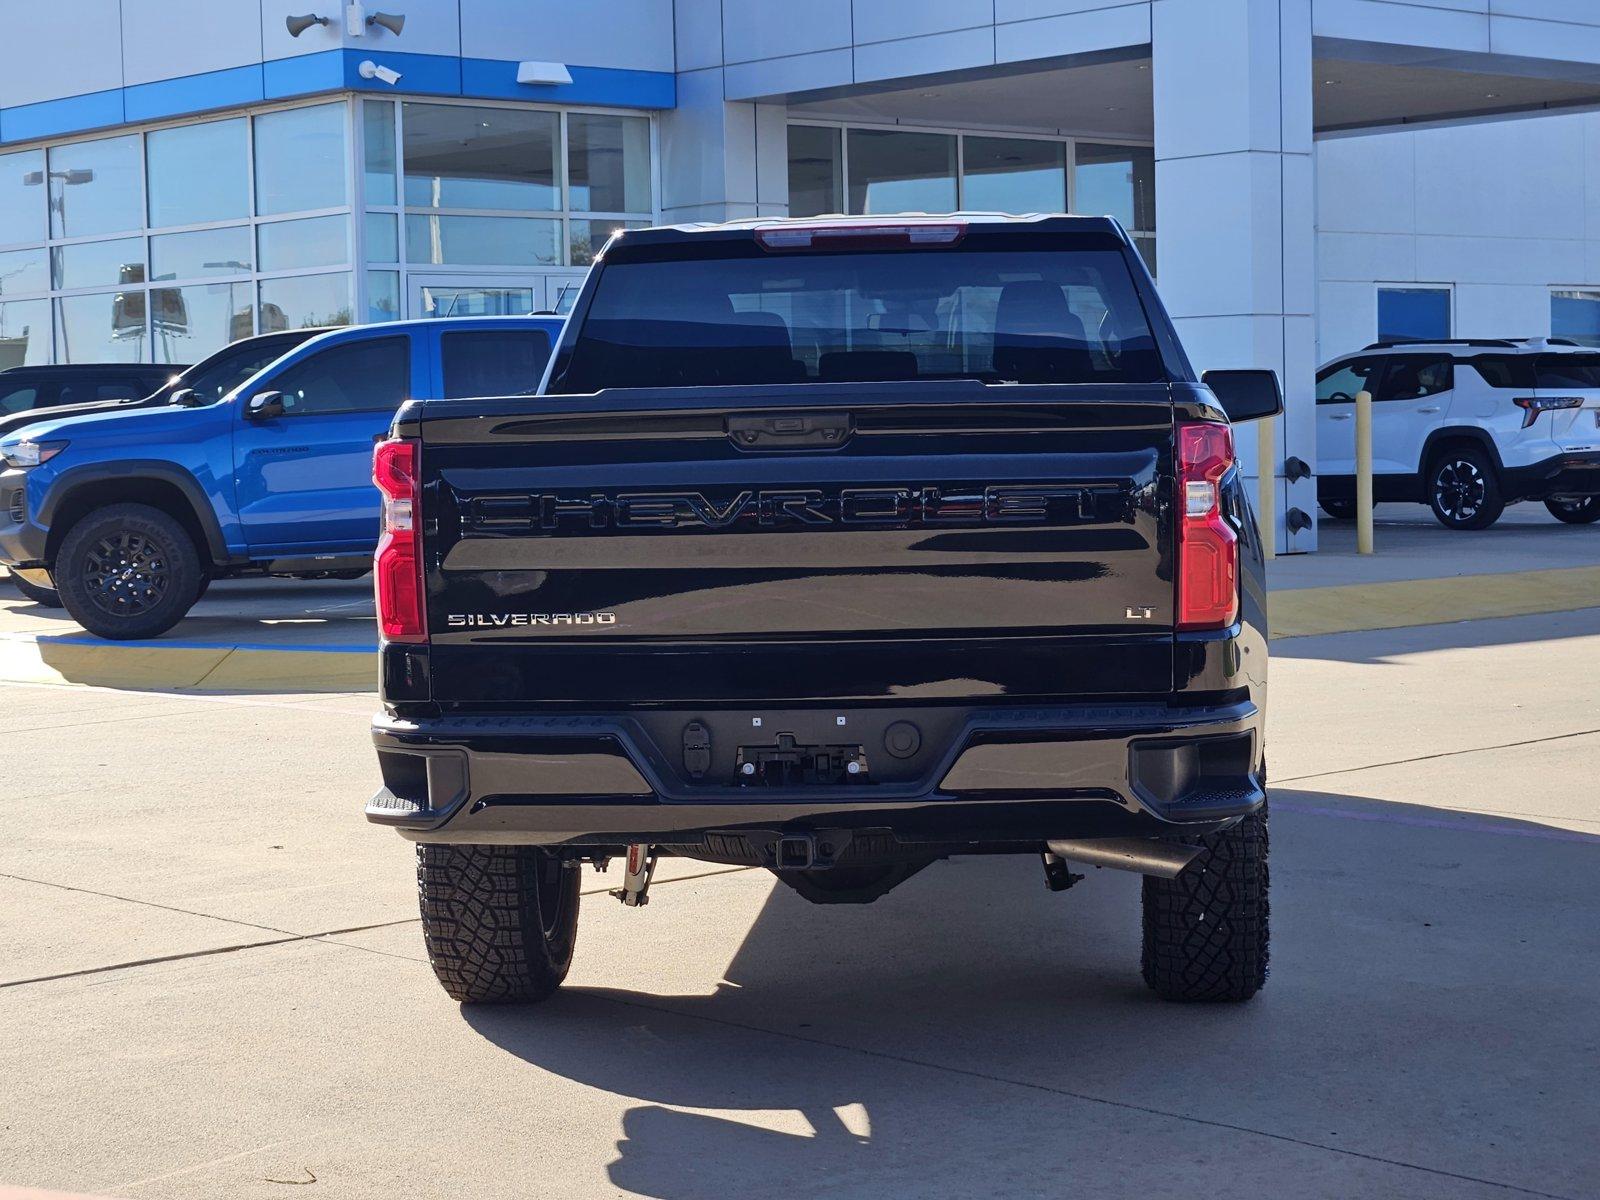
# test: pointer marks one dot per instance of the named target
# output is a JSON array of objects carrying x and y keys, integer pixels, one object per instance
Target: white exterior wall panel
[{"x": 1503, "y": 213}]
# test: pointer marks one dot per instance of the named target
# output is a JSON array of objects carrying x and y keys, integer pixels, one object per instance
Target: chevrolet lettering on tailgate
[{"x": 1019, "y": 504}]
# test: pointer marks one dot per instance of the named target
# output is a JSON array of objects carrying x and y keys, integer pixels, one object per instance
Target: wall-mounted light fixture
[
  {"x": 298, "y": 25},
  {"x": 543, "y": 72}
]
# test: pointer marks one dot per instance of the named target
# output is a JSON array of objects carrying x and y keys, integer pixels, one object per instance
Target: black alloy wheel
[
  {"x": 126, "y": 574},
  {"x": 1463, "y": 490}
]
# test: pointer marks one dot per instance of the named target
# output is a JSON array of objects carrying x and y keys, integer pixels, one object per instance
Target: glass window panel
[
  {"x": 383, "y": 296},
  {"x": 198, "y": 173},
  {"x": 562, "y": 294},
  {"x": 23, "y": 271},
  {"x": 1576, "y": 315},
  {"x": 106, "y": 327},
  {"x": 300, "y": 159},
  {"x": 22, "y": 197},
  {"x": 382, "y": 238},
  {"x": 482, "y": 241},
  {"x": 305, "y": 302},
  {"x": 222, "y": 373},
  {"x": 1413, "y": 314},
  {"x": 1117, "y": 181},
  {"x": 816, "y": 171},
  {"x": 902, "y": 172},
  {"x": 1069, "y": 316},
  {"x": 24, "y": 333},
  {"x": 201, "y": 253},
  {"x": 1013, "y": 175},
  {"x": 457, "y": 156},
  {"x": 90, "y": 264},
  {"x": 314, "y": 242},
  {"x": 476, "y": 300},
  {"x": 188, "y": 323},
  {"x": 15, "y": 397},
  {"x": 608, "y": 163},
  {"x": 372, "y": 375},
  {"x": 495, "y": 362},
  {"x": 377, "y": 128},
  {"x": 588, "y": 238},
  {"x": 95, "y": 187},
  {"x": 1145, "y": 244},
  {"x": 1568, "y": 370}
]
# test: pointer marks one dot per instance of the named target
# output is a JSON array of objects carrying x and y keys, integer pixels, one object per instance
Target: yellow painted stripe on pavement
[
  {"x": 295, "y": 671},
  {"x": 1349, "y": 608},
  {"x": 153, "y": 667},
  {"x": 111, "y": 664}
]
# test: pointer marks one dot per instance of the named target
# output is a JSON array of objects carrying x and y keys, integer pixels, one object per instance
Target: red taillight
[
  {"x": 397, "y": 567},
  {"x": 1532, "y": 406},
  {"x": 1208, "y": 547}
]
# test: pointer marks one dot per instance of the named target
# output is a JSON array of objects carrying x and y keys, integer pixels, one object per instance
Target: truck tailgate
[{"x": 935, "y": 542}]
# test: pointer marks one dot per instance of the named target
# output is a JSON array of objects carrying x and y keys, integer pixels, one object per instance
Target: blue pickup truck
[{"x": 132, "y": 514}]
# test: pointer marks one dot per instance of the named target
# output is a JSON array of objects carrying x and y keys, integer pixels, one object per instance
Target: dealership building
[{"x": 1303, "y": 176}]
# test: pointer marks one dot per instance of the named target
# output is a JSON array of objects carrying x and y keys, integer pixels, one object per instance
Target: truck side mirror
[
  {"x": 1246, "y": 395},
  {"x": 264, "y": 405},
  {"x": 184, "y": 397}
]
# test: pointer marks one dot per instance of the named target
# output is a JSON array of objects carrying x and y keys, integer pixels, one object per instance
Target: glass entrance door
[{"x": 475, "y": 295}]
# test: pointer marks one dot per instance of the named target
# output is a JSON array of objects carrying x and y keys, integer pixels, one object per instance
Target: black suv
[
  {"x": 28, "y": 389},
  {"x": 834, "y": 547}
]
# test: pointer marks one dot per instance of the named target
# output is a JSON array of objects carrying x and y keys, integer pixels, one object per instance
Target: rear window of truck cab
[{"x": 1042, "y": 308}]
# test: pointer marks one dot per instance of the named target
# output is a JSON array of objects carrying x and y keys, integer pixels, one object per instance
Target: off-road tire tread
[
  {"x": 187, "y": 572},
  {"x": 1206, "y": 932},
  {"x": 481, "y": 922}
]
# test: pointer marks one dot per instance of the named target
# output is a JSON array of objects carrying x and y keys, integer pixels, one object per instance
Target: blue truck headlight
[{"x": 30, "y": 454}]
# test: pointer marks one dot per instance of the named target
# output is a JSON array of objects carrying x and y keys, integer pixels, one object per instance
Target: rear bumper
[
  {"x": 1563, "y": 475},
  {"x": 1012, "y": 775}
]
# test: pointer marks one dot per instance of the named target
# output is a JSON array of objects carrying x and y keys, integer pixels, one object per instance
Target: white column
[
  {"x": 721, "y": 161},
  {"x": 1235, "y": 195}
]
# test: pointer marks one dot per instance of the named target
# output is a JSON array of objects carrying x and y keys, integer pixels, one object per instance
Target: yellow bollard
[
  {"x": 1266, "y": 485},
  {"x": 1363, "y": 472}
]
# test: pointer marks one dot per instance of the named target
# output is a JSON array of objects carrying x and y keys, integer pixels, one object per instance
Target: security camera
[
  {"x": 298, "y": 25},
  {"x": 371, "y": 70}
]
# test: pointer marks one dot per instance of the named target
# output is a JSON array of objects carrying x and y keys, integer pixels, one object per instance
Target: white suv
[{"x": 1466, "y": 427}]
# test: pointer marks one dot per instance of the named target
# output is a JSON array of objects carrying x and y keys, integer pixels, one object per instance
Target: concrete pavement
[{"x": 216, "y": 984}]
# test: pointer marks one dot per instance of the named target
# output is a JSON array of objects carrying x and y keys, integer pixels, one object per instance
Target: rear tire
[
  {"x": 1206, "y": 932},
  {"x": 128, "y": 571},
  {"x": 1575, "y": 512},
  {"x": 499, "y": 922},
  {"x": 43, "y": 596},
  {"x": 1463, "y": 489},
  {"x": 1339, "y": 510}
]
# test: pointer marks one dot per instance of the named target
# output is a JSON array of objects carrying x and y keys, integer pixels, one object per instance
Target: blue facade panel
[
  {"x": 491, "y": 79},
  {"x": 330, "y": 71},
  {"x": 193, "y": 93},
  {"x": 50, "y": 118}
]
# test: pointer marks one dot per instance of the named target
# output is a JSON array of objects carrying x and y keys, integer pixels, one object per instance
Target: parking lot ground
[{"x": 213, "y": 979}]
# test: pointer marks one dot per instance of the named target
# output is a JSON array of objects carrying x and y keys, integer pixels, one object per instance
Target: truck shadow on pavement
[{"x": 1427, "y": 1031}]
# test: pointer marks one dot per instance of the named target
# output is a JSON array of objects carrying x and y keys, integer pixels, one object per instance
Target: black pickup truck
[{"x": 835, "y": 547}]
